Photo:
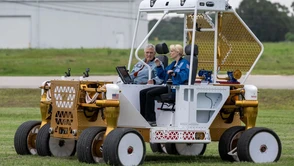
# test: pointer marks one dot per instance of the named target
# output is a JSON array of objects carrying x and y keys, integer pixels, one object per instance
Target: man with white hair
[{"x": 139, "y": 73}]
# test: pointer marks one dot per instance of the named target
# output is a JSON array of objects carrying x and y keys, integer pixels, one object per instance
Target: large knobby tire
[
  {"x": 124, "y": 146},
  {"x": 188, "y": 149},
  {"x": 89, "y": 145},
  {"x": 42, "y": 141},
  {"x": 171, "y": 148},
  {"x": 259, "y": 145},
  {"x": 25, "y": 138},
  {"x": 156, "y": 147},
  {"x": 228, "y": 141}
]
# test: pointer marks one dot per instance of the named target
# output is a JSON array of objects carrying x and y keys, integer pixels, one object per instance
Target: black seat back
[
  {"x": 161, "y": 50},
  {"x": 188, "y": 49}
]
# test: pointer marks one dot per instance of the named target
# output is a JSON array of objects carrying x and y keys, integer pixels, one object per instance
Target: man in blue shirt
[{"x": 139, "y": 73}]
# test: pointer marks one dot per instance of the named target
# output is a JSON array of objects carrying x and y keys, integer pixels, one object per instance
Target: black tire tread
[
  {"x": 156, "y": 148},
  {"x": 84, "y": 144},
  {"x": 224, "y": 142},
  {"x": 171, "y": 148},
  {"x": 75, "y": 149},
  {"x": 20, "y": 137},
  {"x": 42, "y": 141}
]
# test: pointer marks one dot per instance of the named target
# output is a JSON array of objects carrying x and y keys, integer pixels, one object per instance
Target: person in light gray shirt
[{"x": 139, "y": 73}]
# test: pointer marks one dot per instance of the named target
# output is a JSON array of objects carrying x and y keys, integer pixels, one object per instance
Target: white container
[
  {"x": 250, "y": 92},
  {"x": 112, "y": 92}
]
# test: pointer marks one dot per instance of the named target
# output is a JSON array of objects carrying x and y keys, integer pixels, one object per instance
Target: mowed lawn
[
  {"x": 11, "y": 116},
  {"x": 54, "y": 62}
]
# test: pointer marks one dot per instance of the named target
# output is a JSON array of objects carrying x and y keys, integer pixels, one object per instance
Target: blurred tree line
[{"x": 270, "y": 22}]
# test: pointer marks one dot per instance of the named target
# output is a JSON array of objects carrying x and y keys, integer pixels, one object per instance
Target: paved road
[{"x": 261, "y": 81}]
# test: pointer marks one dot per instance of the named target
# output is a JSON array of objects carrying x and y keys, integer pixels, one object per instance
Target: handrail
[
  {"x": 147, "y": 36},
  {"x": 215, "y": 48},
  {"x": 133, "y": 42},
  {"x": 193, "y": 43}
]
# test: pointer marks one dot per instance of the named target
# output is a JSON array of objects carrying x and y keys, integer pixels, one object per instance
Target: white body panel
[
  {"x": 200, "y": 108},
  {"x": 132, "y": 92},
  {"x": 129, "y": 116},
  {"x": 193, "y": 114},
  {"x": 130, "y": 106},
  {"x": 196, "y": 108}
]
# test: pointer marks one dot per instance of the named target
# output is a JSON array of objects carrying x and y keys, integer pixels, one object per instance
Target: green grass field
[
  {"x": 276, "y": 111},
  {"x": 276, "y": 59}
]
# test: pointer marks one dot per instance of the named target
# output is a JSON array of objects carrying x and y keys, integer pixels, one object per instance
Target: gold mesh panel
[
  {"x": 65, "y": 95},
  {"x": 237, "y": 48}
]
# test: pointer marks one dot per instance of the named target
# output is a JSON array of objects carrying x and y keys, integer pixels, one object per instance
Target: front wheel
[
  {"x": 259, "y": 145},
  {"x": 124, "y": 146}
]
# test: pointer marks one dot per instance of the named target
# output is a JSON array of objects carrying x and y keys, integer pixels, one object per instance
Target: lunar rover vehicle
[{"x": 100, "y": 121}]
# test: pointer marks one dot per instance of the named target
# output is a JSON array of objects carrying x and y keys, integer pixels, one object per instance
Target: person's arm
[
  {"x": 132, "y": 73},
  {"x": 135, "y": 69},
  {"x": 160, "y": 72},
  {"x": 156, "y": 80},
  {"x": 159, "y": 69}
]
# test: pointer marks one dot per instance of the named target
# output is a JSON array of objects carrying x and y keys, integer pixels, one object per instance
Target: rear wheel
[
  {"x": 62, "y": 147},
  {"x": 156, "y": 147},
  {"x": 89, "y": 145},
  {"x": 188, "y": 149},
  {"x": 42, "y": 141},
  {"x": 25, "y": 138},
  {"x": 171, "y": 148},
  {"x": 259, "y": 145},
  {"x": 228, "y": 141},
  {"x": 124, "y": 146}
]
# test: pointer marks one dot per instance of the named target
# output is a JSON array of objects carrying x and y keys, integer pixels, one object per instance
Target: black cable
[
  {"x": 97, "y": 8},
  {"x": 211, "y": 102}
]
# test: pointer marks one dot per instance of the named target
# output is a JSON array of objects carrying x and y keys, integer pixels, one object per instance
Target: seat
[
  {"x": 169, "y": 98},
  {"x": 188, "y": 50},
  {"x": 161, "y": 50}
]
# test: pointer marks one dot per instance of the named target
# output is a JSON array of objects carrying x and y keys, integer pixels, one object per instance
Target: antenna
[
  {"x": 67, "y": 74},
  {"x": 86, "y": 73}
]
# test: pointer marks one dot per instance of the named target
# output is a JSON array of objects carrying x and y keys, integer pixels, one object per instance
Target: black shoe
[{"x": 152, "y": 123}]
